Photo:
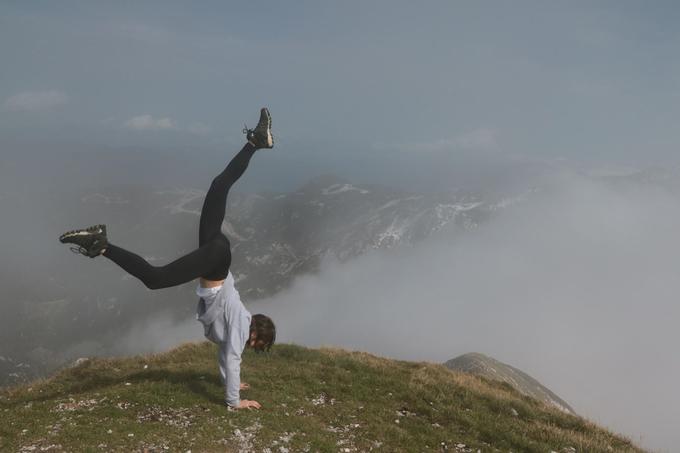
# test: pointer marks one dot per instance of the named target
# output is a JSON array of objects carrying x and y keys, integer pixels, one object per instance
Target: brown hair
[{"x": 264, "y": 329}]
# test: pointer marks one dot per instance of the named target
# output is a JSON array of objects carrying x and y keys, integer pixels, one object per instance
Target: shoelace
[
  {"x": 246, "y": 130},
  {"x": 78, "y": 249}
]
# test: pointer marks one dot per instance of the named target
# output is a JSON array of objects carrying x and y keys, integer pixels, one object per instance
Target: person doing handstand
[{"x": 225, "y": 320}]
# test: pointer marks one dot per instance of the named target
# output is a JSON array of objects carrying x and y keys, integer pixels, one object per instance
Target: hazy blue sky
[{"x": 396, "y": 80}]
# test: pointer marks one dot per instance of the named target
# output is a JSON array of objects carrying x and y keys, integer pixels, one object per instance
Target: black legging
[{"x": 212, "y": 258}]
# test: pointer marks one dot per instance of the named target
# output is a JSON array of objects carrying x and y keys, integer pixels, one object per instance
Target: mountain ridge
[{"x": 482, "y": 365}]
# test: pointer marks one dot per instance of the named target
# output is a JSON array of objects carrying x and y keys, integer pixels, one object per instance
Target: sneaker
[
  {"x": 261, "y": 136},
  {"x": 89, "y": 241}
]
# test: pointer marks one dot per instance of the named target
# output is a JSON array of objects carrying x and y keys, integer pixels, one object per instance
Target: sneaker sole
[
  {"x": 71, "y": 234},
  {"x": 270, "y": 138}
]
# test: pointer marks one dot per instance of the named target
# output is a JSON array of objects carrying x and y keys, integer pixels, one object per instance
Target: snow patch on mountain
[
  {"x": 340, "y": 188},
  {"x": 392, "y": 235},
  {"x": 231, "y": 232},
  {"x": 389, "y": 204},
  {"x": 186, "y": 196}
]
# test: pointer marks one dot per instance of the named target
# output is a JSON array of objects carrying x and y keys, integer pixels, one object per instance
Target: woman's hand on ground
[
  {"x": 248, "y": 404},
  {"x": 244, "y": 386}
]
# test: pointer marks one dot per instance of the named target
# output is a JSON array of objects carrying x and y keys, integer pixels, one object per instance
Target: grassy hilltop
[{"x": 313, "y": 400}]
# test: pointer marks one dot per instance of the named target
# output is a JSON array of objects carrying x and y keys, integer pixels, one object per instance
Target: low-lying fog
[{"x": 578, "y": 287}]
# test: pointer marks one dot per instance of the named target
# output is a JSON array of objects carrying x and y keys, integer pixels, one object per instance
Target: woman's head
[{"x": 262, "y": 333}]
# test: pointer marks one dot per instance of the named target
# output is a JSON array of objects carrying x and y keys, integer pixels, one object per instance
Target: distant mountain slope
[
  {"x": 490, "y": 368},
  {"x": 277, "y": 236},
  {"x": 313, "y": 400}
]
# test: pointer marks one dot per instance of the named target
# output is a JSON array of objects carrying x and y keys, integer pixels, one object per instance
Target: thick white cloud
[
  {"x": 149, "y": 123},
  {"x": 35, "y": 101}
]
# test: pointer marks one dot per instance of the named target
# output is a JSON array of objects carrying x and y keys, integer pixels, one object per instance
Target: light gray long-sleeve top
[{"x": 227, "y": 323}]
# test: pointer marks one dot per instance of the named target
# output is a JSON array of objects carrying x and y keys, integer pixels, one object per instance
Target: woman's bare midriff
[{"x": 210, "y": 283}]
